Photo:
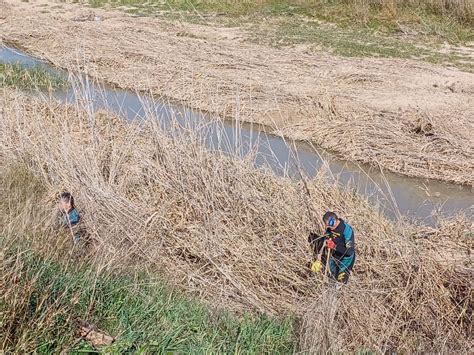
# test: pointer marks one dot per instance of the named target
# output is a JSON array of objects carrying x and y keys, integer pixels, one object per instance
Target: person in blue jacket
[
  {"x": 70, "y": 216},
  {"x": 337, "y": 244}
]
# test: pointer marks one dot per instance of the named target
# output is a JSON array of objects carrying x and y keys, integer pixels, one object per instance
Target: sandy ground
[{"x": 406, "y": 116}]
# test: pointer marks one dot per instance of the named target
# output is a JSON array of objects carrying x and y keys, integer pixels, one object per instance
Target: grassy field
[
  {"x": 45, "y": 297},
  {"x": 160, "y": 207},
  {"x": 393, "y": 29},
  {"x": 370, "y": 13},
  {"x": 14, "y": 75}
]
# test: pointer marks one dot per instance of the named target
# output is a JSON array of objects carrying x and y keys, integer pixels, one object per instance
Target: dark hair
[
  {"x": 66, "y": 196},
  {"x": 328, "y": 215}
]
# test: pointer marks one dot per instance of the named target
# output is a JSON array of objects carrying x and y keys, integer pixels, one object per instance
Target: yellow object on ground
[{"x": 316, "y": 266}]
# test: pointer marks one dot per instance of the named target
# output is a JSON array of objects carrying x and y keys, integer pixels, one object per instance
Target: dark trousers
[{"x": 339, "y": 268}]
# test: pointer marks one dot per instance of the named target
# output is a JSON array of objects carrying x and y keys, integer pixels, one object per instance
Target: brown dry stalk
[
  {"x": 373, "y": 111},
  {"x": 236, "y": 236}
]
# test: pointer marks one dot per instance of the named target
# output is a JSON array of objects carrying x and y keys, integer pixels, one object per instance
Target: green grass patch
[
  {"x": 42, "y": 301},
  {"x": 453, "y": 23},
  {"x": 354, "y": 43},
  {"x": 344, "y": 27},
  {"x": 14, "y": 75}
]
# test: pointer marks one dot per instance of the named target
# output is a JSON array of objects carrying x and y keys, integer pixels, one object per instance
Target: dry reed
[
  {"x": 460, "y": 9},
  {"x": 236, "y": 236},
  {"x": 372, "y": 111}
]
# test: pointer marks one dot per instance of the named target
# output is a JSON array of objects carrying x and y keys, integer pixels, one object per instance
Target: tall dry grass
[
  {"x": 460, "y": 9},
  {"x": 50, "y": 304},
  {"x": 463, "y": 10},
  {"x": 236, "y": 236}
]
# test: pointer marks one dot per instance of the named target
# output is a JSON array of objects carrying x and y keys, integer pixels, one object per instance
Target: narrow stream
[{"x": 394, "y": 194}]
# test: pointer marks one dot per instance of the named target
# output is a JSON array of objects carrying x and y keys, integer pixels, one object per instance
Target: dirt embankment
[{"x": 409, "y": 117}]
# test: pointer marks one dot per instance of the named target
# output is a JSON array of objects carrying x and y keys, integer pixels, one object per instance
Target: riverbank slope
[{"x": 216, "y": 228}]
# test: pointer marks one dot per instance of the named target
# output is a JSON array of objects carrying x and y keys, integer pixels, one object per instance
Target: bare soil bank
[{"x": 406, "y": 116}]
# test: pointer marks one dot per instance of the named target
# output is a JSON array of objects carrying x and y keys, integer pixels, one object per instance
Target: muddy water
[{"x": 393, "y": 194}]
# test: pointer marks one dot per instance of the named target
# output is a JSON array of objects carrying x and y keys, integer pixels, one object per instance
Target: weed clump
[{"x": 14, "y": 75}]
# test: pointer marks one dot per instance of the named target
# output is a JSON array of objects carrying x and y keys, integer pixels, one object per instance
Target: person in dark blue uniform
[{"x": 337, "y": 244}]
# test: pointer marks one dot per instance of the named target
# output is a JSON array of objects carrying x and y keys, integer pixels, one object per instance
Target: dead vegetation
[
  {"x": 364, "y": 110},
  {"x": 236, "y": 236},
  {"x": 463, "y": 10}
]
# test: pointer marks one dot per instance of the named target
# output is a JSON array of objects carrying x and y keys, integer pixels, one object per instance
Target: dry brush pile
[{"x": 236, "y": 236}]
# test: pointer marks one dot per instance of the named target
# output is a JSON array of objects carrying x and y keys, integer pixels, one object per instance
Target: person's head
[
  {"x": 66, "y": 201},
  {"x": 330, "y": 220}
]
